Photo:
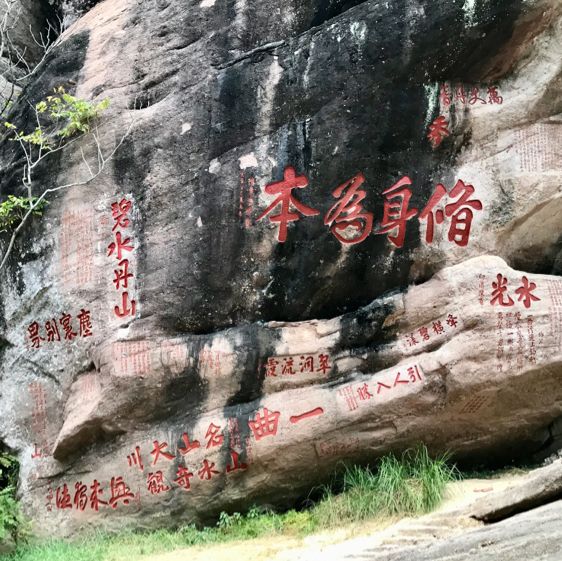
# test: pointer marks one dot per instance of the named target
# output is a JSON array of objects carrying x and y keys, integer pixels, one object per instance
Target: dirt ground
[{"x": 352, "y": 537}]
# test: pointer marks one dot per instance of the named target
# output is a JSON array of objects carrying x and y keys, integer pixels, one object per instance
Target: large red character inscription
[
  {"x": 502, "y": 298},
  {"x": 396, "y": 213},
  {"x": 460, "y": 212},
  {"x": 120, "y": 211},
  {"x": 285, "y": 198},
  {"x": 348, "y": 212},
  {"x": 265, "y": 423}
]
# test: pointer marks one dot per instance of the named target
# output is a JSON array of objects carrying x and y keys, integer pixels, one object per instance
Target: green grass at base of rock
[{"x": 408, "y": 485}]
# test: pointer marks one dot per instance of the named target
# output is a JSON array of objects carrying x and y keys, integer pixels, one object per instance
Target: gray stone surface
[
  {"x": 535, "y": 535},
  {"x": 544, "y": 486}
]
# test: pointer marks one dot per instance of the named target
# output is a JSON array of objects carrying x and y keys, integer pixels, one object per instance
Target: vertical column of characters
[{"x": 121, "y": 249}]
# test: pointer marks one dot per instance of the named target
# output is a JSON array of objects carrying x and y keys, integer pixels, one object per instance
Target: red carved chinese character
[
  {"x": 413, "y": 372},
  {"x": 438, "y": 131},
  {"x": 324, "y": 361},
  {"x": 424, "y": 333},
  {"x": 122, "y": 275},
  {"x": 445, "y": 95},
  {"x": 525, "y": 291},
  {"x": 95, "y": 500},
  {"x": 63, "y": 499},
  {"x": 189, "y": 446},
  {"x": 159, "y": 450},
  {"x": 452, "y": 320},
  {"x": 265, "y": 424},
  {"x": 438, "y": 328},
  {"x": 396, "y": 214},
  {"x": 206, "y": 472},
  {"x": 498, "y": 293},
  {"x": 307, "y": 364},
  {"x": 459, "y": 211},
  {"x": 215, "y": 439},
  {"x": 381, "y": 385},
  {"x": 349, "y": 396},
  {"x": 35, "y": 338},
  {"x": 234, "y": 432},
  {"x": 135, "y": 459},
  {"x": 287, "y": 367},
  {"x": 120, "y": 246},
  {"x": 49, "y": 497},
  {"x": 271, "y": 367},
  {"x": 412, "y": 341},
  {"x": 348, "y": 213},
  {"x": 52, "y": 330},
  {"x": 460, "y": 94},
  {"x": 85, "y": 323},
  {"x": 183, "y": 477},
  {"x": 398, "y": 380},
  {"x": 306, "y": 415},
  {"x": 155, "y": 483},
  {"x": 236, "y": 463},
  {"x": 66, "y": 322},
  {"x": 119, "y": 492},
  {"x": 474, "y": 97},
  {"x": 80, "y": 496},
  {"x": 283, "y": 189},
  {"x": 493, "y": 95},
  {"x": 363, "y": 392},
  {"x": 119, "y": 211},
  {"x": 124, "y": 310},
  {"x": 37, "y": 453}
]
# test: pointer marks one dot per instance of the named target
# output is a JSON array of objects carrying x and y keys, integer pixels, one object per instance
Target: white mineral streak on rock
[
  {"x": 240, "y": 21},
  {"x": 432, "y": 96},
  {"x": 248, "y": 161},
  {"x": 359, "y": 31},
  {"x": 469, "y": 9},
  {"x": 214, "y": 166},
  {"x": 309, "y": 62},
  {"x": 207, "y": 4},
  {"x": 186, "y": 127},
  {"x": 266, "y": 95},
  {"x": 415, "y": 12},
  {"x": 199, "y": 222}
]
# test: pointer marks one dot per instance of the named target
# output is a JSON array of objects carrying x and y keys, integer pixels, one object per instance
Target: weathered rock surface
[
  {"x": 535, "y": 535},
  {"x": 545, "y": 486},
  {"x": 255, "y": 358}
]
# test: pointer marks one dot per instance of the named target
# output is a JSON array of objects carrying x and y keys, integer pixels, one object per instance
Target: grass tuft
[{"x": 411, "y": 484}]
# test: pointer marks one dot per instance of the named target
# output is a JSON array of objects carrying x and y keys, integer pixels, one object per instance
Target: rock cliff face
[{"x": 332, "y": 231}]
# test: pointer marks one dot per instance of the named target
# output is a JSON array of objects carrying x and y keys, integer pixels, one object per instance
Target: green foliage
[
  {"x": 12, "y": 522},
  {"x": 60, "y": 116},
  {"x": 411, "y": 484},
  {"x": 13, "y": 209}
]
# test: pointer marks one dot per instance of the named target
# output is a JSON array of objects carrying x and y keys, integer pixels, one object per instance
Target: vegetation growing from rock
[
  {"x": 14, "y": 209},
  {"x": 411, "y": 484},
  {"x": 12, "y": 523},
  {"x": 59, "y": 117}
]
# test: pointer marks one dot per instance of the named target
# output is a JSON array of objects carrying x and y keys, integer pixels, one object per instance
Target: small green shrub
[
  {"x": 12, "y": 522},
  {"x": 59, "y": 117},
  {"x": 76, "y": 114},
  {"x": 13, "y": 210}
]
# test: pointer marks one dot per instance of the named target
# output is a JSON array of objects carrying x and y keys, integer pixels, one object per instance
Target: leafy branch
[{"x": 61, "y": 120}]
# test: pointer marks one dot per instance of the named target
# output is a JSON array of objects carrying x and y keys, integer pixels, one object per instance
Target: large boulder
[{"x": 178, "y": 340}]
